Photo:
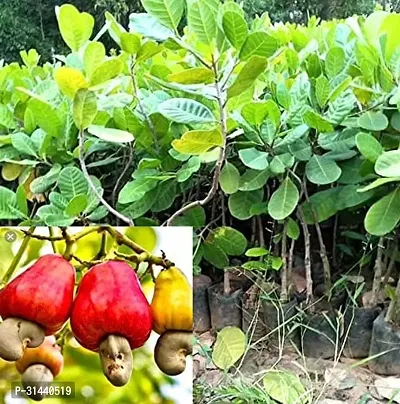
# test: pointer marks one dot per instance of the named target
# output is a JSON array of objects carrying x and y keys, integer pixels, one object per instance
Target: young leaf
[
  {"x": 198, "y": 141},
  {"x": 70, "y": 80},
  {"x": 235, "y": 28},
  {"x": 202, "y": 20},
  {"x": 110, "y": 135},
  {"x": 76, "y": 28},
  {"x": 84, "y": 108}
]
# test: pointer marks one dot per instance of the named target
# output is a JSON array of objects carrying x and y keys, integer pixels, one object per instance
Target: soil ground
[{"x": 329, "y": 382}]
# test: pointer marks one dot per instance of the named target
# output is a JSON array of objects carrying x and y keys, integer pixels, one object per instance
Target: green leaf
[
  {"x": 229, "y": 178},
  {"x": 257, "y": 252},
  {"x": 194, "y": 217},
  {"x": 371, "y": 120},
  {"x": 377, "y": 183},
  {"x": 335, "y": 61},
  {"x": 321, "y": 170},
  {"x": 258, "y": 43},
  {"x": 280, "y": 162},
  {"x": 316, "y": 121},
  {"x": 94, "y": 56},
  {"x": 130, "y": 43},
  {"x": 324, "y": 204},
  {"x": 198, "y": 141},
  {"x": 136, "y": 189},
  {"x": 253, "y": 179},
  {"x": 235, "y": 28},
  {"x": 188, "y": 169},
  {"x": 368, "y": 146},
  {"x": 229, "y": 347},
  {"x": 76, "y": 205},
  {"x": 240, "y": 203},
  {"x": 22, "y": 203},
  {"x": 46, "y": 117},
  {"x": 195, "y": 75},
  {"x": 215, "y": 255},
  {"x": 43, "y": 183},
  {"x": 24, "y": 144},
  {"x": 6, "y": 117},
  {"x": 106, "y": 71},
  {"x": 9, "y": 208},
  {"x": 72, "y": 182},
  {"x": 276, "y": 263},
  {"x": 110, "y": 135},
  {"x": 168, "y": 12},
  {"x": 284, "y": 200},
  {"x": 185, "y": 110},
  {"x": 322, "y": 90},
  {"x": 254, "y": 158},
  {"x": 284, "y": 387},
  {"x": 230, "y": 240},
  {"x": 84, "y": 108},
  {"x": 166, "y": 193},
  {"x": 384, "y": 215},
  {"x": 202, "y": 20},
  {"x": 149, "y": 26},
  {"x": 395, "y": 121},
  {"x": 248, "y": 75},
  {"x": 293, "y": 229},
  {"x": 256, "y": 265},
  {"x": 388, "y": 164},
  {"x": 76, "y": 28}
]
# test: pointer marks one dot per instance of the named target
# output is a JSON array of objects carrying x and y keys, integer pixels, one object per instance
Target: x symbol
[{"x": 10, "y": 236}]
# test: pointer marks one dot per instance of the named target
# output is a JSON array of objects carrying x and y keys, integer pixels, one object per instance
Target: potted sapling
[
  {"x": 385, "y": 340},
  {"x": 225, "y": 298}
]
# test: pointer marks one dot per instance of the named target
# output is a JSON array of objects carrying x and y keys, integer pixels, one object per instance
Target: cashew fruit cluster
[
  {"x": 109, "y": 315},
  {"x": 172, "y": 307}
]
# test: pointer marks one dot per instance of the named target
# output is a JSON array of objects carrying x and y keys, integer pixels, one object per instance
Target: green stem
[
  {"x": 18, "y": 256},
  {"x": 69, "y": 243},
  {"x": 53, "y": 244}
]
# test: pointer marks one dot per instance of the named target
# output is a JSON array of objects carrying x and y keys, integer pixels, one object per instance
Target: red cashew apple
[
  {"x": 39, "y": 366},
  {"x": 111, "y": 315},
  {"x": 36, "y": 303}
]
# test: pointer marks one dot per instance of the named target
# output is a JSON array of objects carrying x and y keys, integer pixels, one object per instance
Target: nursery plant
[{"x": 258, "y": 135}]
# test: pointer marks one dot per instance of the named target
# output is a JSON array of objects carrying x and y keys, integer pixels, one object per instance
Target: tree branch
[
  {"x": 93, "y": 187},
  {"x": 220, "y": 161}
]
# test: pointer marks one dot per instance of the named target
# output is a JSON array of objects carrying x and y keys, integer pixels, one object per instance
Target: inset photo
[{"x": 96, "y": 314}]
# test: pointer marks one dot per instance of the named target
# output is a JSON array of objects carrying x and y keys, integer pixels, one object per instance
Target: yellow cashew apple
[{"x": 172, "y": 303}]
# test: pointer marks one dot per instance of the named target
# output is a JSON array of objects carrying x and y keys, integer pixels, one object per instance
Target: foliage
[{"x": 300, "y": 122}]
